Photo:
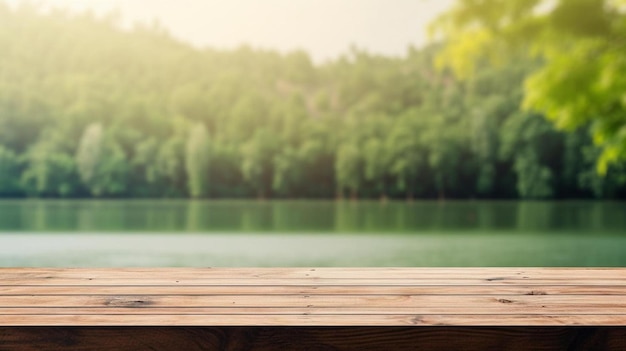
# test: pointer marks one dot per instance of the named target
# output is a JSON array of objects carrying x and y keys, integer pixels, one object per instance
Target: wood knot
[
  {"x": 128, "y": 301},
  {"x": 417, "y": 320},
  {"x": 505, "y": 301},
  {"x": 536, "y": 292}
]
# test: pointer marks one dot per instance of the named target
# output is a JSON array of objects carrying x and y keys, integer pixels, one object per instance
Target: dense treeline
[{"x": 89, "y": 109}]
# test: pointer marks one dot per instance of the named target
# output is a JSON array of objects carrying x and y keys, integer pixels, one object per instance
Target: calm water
[{"x": 311, "y": 233}]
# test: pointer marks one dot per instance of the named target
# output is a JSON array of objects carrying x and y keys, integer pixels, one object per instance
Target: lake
[{"x": 115, "y": 233}]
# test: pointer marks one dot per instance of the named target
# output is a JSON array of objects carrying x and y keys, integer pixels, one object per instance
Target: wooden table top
[{"x": 312, "y": 297}]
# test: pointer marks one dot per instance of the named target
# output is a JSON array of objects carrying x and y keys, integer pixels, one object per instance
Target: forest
[{"x": 91, "y": 109}]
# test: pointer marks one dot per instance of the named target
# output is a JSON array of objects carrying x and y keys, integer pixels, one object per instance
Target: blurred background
[{"x": 353, "y": 132}]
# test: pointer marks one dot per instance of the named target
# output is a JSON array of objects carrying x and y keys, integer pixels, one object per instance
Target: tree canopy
[
  {"x": 88, "y": 108},
  {"x": 580, "y": 49}
]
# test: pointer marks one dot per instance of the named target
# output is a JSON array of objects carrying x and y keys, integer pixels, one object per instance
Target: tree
[
  {"x": 406, "y": 152},
  {"x": 580, "y": 44},
  {"x": 376, "y": 159},
  {"x": 197, "y": 161},
  {"x": 9, "y": 172},
  {"x": 49, "y": 172},
  {"x": 527, "y": 140},
  {"x": 101, "y": 162},
  {"x": 134, "y": 113},
  {"x": 112, "y": 177},
  {"x": 286, "y": 169},
  {"x": 89, "y": 154},
  {"x": 258, "y": 161},
  {"x": 348, "y": 169}
]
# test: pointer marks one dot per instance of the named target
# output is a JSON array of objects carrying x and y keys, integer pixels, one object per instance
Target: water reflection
[{"x": 311, "y": 216}]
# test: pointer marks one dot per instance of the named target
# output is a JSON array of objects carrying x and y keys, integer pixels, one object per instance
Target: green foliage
[
  {"x": 89, "y": 155},
  {"x": 407, "y": 152},
  {"x": 197, "y": 160},
  {"x": 257, "y": 162},
  {"x": 9, "y": 172},
  {"x": 348, "y": 168},
  {"x": 49, "y": 173},
  {"x": 581, "y": 46},
  {"x": 135, "y": 113},
  {"x": 101, "y": 162}
]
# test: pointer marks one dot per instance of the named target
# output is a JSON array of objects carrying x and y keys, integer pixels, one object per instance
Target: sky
[{"x": 324, "y": 28}]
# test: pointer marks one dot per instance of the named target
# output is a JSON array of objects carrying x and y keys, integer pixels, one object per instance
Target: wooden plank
[
  {"x": 313, "y": 320},
  {"x": 472, "y": 273},
  {"x": 497, "y": 281},
  {"x": 12, "y": 277},
  {"x": 600, "y": 303},
  {"x": 444, "y": 290},
  {"x": 313, "y": 296},
  {"x": 306, "y": 310}
]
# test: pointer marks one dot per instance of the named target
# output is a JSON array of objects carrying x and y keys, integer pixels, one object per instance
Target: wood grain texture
[
  {"x": 261, "y": 275},
  {"x": 312, "y": 338},
  {"x": 313, "y": 297}
]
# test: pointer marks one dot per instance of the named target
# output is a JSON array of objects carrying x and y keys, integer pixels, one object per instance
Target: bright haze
[{"x": 323, "y": 28}]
